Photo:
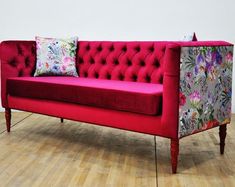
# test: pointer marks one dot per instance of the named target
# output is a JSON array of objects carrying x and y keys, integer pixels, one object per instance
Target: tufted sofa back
[
  {"x": 128, "y": 61},
  {"x": 125, "y": 61}
]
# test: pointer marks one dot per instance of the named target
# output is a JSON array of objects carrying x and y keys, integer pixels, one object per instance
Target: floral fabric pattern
[
  {"x": 205, "y": 88},
  {"x": 56, "y": 56}
]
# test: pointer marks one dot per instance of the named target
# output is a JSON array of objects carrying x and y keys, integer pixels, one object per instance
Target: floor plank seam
[
  {"x": 155, "y": 148},
  {"x": 17, "y": 122}
]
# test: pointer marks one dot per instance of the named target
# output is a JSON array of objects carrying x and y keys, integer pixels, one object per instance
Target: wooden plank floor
[
  {"x": 200, "y": 163},
  {"x": 16, "y": 117},
  {"x": 40, "y": 151}
]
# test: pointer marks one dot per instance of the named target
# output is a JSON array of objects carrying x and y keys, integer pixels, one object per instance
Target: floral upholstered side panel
[{"x": 205, "y": 88}]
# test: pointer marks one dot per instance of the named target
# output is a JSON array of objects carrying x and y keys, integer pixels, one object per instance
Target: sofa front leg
[
  {"x": 8, "y": 119},
  {"x": 62, "y": 120},
  {"x": 174, "y": 154},
  {"x": 222, "y": 135}
]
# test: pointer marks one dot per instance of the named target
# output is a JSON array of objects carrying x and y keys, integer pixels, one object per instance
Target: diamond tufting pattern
[{"x": 124, "y": 61}]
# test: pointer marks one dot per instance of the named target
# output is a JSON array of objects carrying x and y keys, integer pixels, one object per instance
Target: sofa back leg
[
  {"x": 8, "y": 119},
  {"x": 174, "y": 154},
  {"x": 222, "y": 135}
]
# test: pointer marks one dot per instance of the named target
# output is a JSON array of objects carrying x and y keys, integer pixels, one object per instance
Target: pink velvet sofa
[{"x": 168, "y": 89}]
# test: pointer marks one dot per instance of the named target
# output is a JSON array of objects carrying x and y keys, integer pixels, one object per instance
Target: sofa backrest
[{"x": 128, "y": 61}]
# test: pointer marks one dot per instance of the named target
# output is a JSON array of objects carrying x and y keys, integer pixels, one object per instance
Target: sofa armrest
[
  {"x": 197, "y": 87},
  {"x": 171, "y": 75},
  {"x": 18, "y": 59},
  {"x": 205, "y": 87}
]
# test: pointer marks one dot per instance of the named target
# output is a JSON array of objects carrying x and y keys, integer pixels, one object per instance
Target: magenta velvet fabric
[
  {"x": 127, "y": 61},
  {"x": 149, "y": 62},
  {"x": 118, "y": 95},
  {"x": 148, "y": 124}
]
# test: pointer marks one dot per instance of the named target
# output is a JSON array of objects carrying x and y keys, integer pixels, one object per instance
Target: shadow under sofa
[{"x": 136, "y": 86}]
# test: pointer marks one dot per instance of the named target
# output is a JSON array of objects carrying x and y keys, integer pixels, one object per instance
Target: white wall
[{"x": 118, "y": 20}]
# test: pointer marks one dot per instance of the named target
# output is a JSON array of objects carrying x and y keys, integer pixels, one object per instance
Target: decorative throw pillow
[{"x": 56, "y": 56}]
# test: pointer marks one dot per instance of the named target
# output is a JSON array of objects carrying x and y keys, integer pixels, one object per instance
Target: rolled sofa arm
[
  {"x": 18, "y": 59},
  {"x": 197, "y": 87}
]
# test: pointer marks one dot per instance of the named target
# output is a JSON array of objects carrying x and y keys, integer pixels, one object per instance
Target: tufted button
[
  {"x": 156, "y": 64},
  {"x": 137, "y": 48},
  {"x": 108, "y": 76},
  {"x": 124, "y": 49},
  {"x": 121, "y": 77},
  {"x": 134, "y": 77},
  {"x": 13, "y": 62},
  {"x": 103, "y": 61},
  {"x": 96, "y": 75},
  {"x": 27, "y": 62},
  {"x": 20, "y": 74},
  {"x": 99, "y": 48},
  {"x": 116, "y": 62},
  {"x": 148, "y": 78},
  {"x": 80, "y": 60},
  {"x": 151, "y": 49},
  {"x": 85, "y": 74},
  {"x": 111, "y": 48},
  {"x": 142, "y": 63},
  {"x": 92, "y": 61},
  {"x": 129, "y": 63},
  {"x": 88, "y": 48}
]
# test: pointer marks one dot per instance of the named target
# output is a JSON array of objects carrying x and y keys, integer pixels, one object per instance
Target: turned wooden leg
[
  {"x": 222, "y": 135},
  {"x": 174, "y": 154},
  {"x": 8, "y": 119},
  {"x": 62, "y": 120}
]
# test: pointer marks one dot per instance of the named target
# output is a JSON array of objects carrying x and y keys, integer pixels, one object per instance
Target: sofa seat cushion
[{"x": 135, "y": 97}]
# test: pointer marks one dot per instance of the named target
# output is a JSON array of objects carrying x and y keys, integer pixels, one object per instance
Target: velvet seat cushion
[{"x": 144, "y": 98}]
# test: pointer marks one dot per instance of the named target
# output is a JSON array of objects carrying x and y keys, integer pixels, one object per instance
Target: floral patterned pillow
[{"x": 56, "y": 56}]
